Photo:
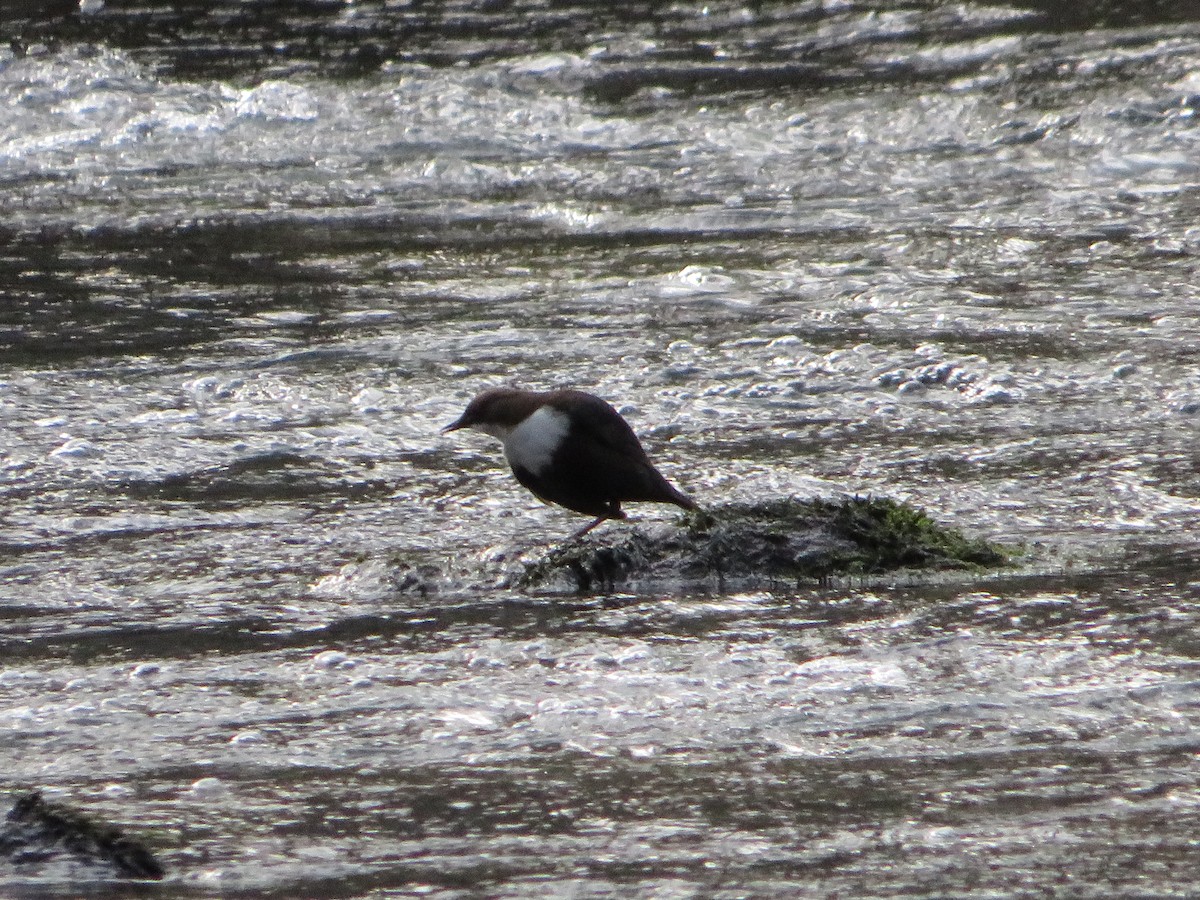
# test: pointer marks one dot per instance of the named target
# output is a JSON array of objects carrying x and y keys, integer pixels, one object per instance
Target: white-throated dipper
[{"x": 570, "y": 448}]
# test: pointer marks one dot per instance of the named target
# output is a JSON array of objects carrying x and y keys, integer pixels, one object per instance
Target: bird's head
[{"x": 496, "y": 411}]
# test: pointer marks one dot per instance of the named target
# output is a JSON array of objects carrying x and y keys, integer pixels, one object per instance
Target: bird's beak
[{"x": 454, "y": 426}]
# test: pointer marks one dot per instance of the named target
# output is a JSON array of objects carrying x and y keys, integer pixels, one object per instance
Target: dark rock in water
[
  {"x": 778, "y": 541},
  {"x": 36, "y": 831}
]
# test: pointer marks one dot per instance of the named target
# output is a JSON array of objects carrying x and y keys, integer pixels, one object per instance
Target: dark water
[{"x": 253, "y": 605}]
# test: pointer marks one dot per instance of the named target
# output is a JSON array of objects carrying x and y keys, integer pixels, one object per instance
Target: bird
[{"x": 570, "y": 448}]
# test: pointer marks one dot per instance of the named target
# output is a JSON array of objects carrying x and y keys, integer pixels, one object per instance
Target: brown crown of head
[{"x": 497, "y": 406}]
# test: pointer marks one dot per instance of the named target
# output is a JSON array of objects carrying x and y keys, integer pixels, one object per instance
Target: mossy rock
[
  {"x": 37, "y": 832},
  {"x": 777, "y": 541}
]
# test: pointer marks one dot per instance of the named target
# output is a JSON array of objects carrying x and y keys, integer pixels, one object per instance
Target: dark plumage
[{"x": 570, "y": 448}]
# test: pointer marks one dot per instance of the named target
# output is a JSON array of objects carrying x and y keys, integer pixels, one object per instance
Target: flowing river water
[{"x": 252, "y": 607}]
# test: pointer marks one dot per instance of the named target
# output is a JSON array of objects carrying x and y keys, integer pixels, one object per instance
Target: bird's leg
[{"x": 586, "y": 528}]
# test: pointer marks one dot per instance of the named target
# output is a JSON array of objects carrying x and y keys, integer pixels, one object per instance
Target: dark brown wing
[
  {"x": 608, "y": 462},
  {"x": 599, "y": 421}
]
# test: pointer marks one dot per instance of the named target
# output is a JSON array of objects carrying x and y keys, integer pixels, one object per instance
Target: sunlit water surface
[{"x": 249, "y": 598}]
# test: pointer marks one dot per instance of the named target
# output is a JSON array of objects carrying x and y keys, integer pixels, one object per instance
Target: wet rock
[
  {"x": 773, "y": 542},
  {"x": 37, "y": 831}
]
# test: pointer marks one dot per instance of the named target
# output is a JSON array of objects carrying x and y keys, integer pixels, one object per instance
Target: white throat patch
[{"x": 532, "y": 443}]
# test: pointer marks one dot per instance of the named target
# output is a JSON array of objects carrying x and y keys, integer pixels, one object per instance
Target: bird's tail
[{"x": 681, "y": 499}]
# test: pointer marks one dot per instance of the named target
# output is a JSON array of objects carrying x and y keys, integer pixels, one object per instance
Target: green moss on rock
[
  {"x": 781, "y": 540},
  {"x": 37, "y": 831}
]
